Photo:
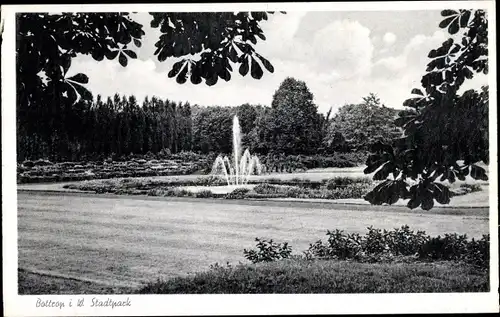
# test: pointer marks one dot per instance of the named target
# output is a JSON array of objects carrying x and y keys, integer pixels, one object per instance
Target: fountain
[{"x": 237, "y": 172}]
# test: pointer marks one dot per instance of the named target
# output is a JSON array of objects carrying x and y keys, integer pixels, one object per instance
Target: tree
[
  {"x": 294, "y": 121},
  {"x": 247, "y": 114},
  {"x": 445, "y": 134},
  {"x": 362, "y": 125},
  {"x": 212, "y": 130},
  {"x": 259, "y": 137},
  {"x": 46, "y": 44},
  {"x": 220, "y": 37}
]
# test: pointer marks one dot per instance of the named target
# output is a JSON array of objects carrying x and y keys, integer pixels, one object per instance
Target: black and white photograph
[{"x": 327, "y": 152}]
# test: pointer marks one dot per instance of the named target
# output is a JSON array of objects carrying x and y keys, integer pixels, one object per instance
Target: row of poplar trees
[{"x": 98, "y": 129}]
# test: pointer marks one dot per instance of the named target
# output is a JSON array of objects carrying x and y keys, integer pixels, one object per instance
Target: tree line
[
  {"x": 119, "y": 126},
  {"x": 96, "y": 129}
]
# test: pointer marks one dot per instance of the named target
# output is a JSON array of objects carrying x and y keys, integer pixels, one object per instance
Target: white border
[{"x": 15, "y": 305}]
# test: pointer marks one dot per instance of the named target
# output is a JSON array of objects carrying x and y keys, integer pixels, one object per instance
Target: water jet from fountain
[{"x": 238, "y": 171}]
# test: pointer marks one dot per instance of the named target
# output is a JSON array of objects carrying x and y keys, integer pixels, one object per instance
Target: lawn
[
  {"x": 30, "y": 283},
  {"x": 126, "y": 241},
  {"x": 287, "y": 276},
  {"x": 295, "y": 276}
]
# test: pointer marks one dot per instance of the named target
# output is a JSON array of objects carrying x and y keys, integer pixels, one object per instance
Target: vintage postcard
[{"x": 265, "y": 158}]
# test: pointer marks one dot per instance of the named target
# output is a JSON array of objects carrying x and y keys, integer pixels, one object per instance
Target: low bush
[
  {"x": 156, "y": 192},
  {"x": 340, "y": 181},
  {"x": 354, "y": 190},
  {"x": 465, "y": 189},
  {"x": 238, "y": 193},
  {"x": 210, "y": 181},
  {"x": 28, "y": 164},
  {"x": 205, "y": 193},
  {"x": 268, "y": 251},
  {"x": 381, "y": 245},
  {"x": 41, "y": 162},
  {"x": 176, "y": 192},
  {"x": 267, "y": 189}
]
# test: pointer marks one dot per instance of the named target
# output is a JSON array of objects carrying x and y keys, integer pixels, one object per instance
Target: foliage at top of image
[
  {"x": 219, "y": 38},
  {"x": 441, "y": 128},
  {"x": 47, "y": 43}
]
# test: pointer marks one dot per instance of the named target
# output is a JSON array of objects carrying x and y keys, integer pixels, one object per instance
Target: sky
[{"x": 342, "y": 56}]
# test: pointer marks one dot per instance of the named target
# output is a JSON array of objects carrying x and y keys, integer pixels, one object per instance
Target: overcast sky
[{"x": 342, "y": 56}]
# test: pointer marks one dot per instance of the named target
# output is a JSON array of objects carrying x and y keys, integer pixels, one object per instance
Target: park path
[{"x": 126, "y": 241}]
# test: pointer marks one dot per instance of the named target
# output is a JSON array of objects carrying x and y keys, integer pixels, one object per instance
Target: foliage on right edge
[{"x": 445, "y": 134}]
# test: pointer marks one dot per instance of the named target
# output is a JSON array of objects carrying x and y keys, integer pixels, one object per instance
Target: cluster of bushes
[
  {"x": 395, "y": 261},
  {"x": 238, "y": 193},
  {"x": 268, "y": 251},
  {"x": 327, "y": 191},
  {"x": 466, "y": 188},
  {"x": 334, "y": 188},
  {"x": 135, "y": 166},
  {"x": 383, "y": 246},
  {"x": 294, "y": 163}
]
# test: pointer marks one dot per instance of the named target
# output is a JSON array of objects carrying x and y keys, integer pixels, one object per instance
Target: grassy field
[
  {"x": 300, "y": 276},
  {"x": 30, "y": 283},
  {"x": 125, "y": 242},
  {"x": 287, "y": 276}
]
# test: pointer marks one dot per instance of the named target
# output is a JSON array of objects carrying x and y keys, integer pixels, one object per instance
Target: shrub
[
  {"x": 340, "y": 246},
  {"x": 28, "y": 164},
  {"x": 156, "y": 192},
  {"x": 164, "y": 153},
  {"x": 449, "y": 247},
  {"x": 171, "y": 192},
  {"x": 266, "y": 189},
  {"x": 379, "y": 245},
  {"x": 375, "y": 242},
  {"x": 210, "y": 181},
  {"x": 403, "y": 241},
  {"x": 268, "y": 251},
  {"x": 478, "y": 252},
  {"x": 238, "y": 193},
  {"x": 348, "y": 191},
  {"x": 41, "y": 162},
  {"x": 205, "y": 193},
  {"x": 340, "y": 181},
  {"x": 176, "y": 192},
  {"x": 471, "y": 188},
  {"x": 294, "y": 192}
]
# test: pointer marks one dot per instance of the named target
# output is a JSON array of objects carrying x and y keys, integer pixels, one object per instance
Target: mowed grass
[
  {"x": 290, "y": 276},
  {"x": 126, "y": 242},
  {"x": 295, "y": 276},
  {"x": 30, "y": 283}
]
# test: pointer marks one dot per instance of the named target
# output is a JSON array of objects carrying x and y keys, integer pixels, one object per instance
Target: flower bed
[{"x": 45, "y": 171}]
